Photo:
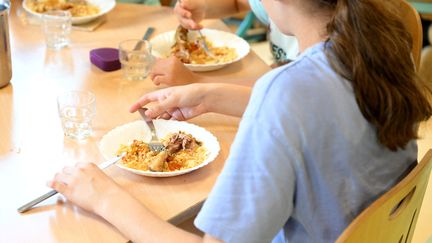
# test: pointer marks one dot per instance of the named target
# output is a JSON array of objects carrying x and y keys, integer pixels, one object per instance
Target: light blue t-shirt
[{"x": 304, "y": 162}]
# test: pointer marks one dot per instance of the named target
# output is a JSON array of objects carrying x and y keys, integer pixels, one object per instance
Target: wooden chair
[
  {"x": 425, "y": 70},
  {"x": 392, "y": 218},
  {"x": 424, "y": 7},
  {"x": 413, "y": 24}
]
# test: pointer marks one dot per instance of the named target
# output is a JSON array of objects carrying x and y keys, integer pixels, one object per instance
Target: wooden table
[{"x": 33, "y": 148}]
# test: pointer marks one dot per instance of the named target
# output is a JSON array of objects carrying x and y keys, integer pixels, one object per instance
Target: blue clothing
[
  {"x": 304, "y": 163},
  {"x": 259, "y": 11}
]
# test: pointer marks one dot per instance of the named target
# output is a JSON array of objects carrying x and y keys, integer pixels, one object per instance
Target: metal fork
[
  {"x": 204, "y": 45},
  {"x": 155, "y": 143},
  {"x": 51, "y": 193},
  {"x": 146, "y": 36}
]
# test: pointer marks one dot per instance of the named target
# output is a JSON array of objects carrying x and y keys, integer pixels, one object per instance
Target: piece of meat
[
  {"x": 157, "y": 163},
  {"x": 181, "y": 141},
  {"x": 179, "y": 49}
]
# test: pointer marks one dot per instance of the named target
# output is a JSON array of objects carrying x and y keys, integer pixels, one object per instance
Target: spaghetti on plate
[
  {"x": 77, "y": 8},
  {"x": 191, "y": 51},
  {"x": 182, "y": 152}
]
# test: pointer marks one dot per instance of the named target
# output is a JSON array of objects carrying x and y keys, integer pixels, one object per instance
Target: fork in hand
[
  {"x": 154, "y": 144},
  {"x": 204, "y": 45}
]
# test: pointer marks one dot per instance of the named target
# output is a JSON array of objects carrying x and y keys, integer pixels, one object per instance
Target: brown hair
[{"x": 369, "y": 45}]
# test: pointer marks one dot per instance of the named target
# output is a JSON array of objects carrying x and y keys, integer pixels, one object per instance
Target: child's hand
[
  {"x": 171, "y": 71},
  {"x": 85, "y": 185},
  {"x": 190, "y": 13}
]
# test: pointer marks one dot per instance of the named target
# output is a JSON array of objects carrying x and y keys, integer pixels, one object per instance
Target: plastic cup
[
  {"x": 56, "y": 27},
  {"x": 76, "y": 110},
  {"x": 136, "y": 59}
]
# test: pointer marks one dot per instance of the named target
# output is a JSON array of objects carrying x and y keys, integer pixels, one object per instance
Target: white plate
[
  {"x": 162, "y": 43},
  {"x": 104, "y": 6},
  {"x": 139, "y": 130}
]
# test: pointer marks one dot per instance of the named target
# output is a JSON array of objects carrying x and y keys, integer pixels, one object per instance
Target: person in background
[
  {"x": 191, "y": 12},
  {"x": 171, "y": 71},
  {"x": 321, "y": 138}
]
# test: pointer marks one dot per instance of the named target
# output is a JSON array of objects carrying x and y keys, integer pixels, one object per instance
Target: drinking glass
[
  {"x": 56, "y": 26},
  {"x": 76, "y": 110},
  {"x": 135, "y": 58}
]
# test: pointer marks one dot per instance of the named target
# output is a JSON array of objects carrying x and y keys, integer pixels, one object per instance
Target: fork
[
  {"x": 146, "y": 36},
  {"x": 203, "y": 42},
  {"x": 204, "y": 45},
  {"x": 51, "y": 193},
  {"x": 154, "y": 144}
]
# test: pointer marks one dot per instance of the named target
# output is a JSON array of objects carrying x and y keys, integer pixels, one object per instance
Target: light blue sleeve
[
  {"x": 253, "y": 196},
  {"x": 259, "y": 11}
]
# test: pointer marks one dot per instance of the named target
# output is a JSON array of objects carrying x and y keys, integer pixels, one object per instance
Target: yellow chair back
[
  {"x": 413, "y": 24},
  {"x": 392, "y": 218}
]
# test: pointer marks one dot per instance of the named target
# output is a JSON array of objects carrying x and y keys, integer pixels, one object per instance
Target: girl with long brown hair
[{"x": 321, "y": 138}]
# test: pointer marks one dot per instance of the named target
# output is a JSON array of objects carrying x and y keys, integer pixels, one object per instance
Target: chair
[
  {"x": 393, "y": 216},
  {"x": 413, "y": 24},
  {"x": 430, "y": 34},
  {"x": 246, "y": 26},
  {"x": 424, "y": 7},
  {"x": 425, "y": 70}
]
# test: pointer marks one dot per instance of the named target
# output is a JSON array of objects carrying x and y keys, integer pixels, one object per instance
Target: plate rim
[
  {"x": 75, "y": 20},
  {"x": 164, "y": 174},
  {"x": 212, "y": 66}
]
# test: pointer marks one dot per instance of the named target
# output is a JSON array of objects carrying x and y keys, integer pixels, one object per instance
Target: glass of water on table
[
  {"x": 56, "y": 27},
  {"x": 76, "y": 110},
  {"x": 136, "y": 59}
]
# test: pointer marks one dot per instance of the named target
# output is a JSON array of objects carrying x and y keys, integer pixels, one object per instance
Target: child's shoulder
[
  {"x": 305, "y": 82},
  {"x": 310, "y": 68}
]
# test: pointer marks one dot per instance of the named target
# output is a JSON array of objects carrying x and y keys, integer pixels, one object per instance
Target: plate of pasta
[
  {"x": 82, "y": 11},
  {"x": 226, "y": 48},
  {"x": 188, "y": 148}
]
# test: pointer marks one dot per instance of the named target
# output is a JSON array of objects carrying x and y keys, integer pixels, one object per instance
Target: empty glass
[
  {"x": 56, "y": 26},
  {"x": 76, "y": 110},
  {"x": 136, "y": 59}
]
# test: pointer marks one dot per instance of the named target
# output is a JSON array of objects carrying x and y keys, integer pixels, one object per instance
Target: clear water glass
[
  {"x": 76, "y": 110},
  {"x": 136, "y": 59},
  {"x": 56, "y": 27}
]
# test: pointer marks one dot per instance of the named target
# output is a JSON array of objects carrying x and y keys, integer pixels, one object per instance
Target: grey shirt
[{"x": 304, "y": 163}]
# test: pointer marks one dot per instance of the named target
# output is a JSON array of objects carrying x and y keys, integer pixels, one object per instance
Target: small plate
[
  {"x": 162, "y": 43},
  {"x": 139, "y": 130},
  {"x": 104, "y": 6}
]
